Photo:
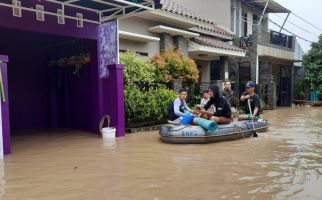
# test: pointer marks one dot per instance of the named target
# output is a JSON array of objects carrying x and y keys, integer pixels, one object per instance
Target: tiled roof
[
  {"x": 173, "y": 7},
  {"x": 215, "y": 29},
  {"x": 211, "y": 42}
]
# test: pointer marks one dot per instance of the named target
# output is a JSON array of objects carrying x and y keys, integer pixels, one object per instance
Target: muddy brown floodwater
[{"x": 283, "y": 163}]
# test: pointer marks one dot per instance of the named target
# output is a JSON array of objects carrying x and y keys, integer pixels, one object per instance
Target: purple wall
[
  {"x": 28, "y": 22},
  {"x": 79, "y": 99},
  {"x": 35, "y": 101},
  {"x": 117, "y": 110},
  {"x": 28, "y": 79},
  {"x": 88, "y": 97}
]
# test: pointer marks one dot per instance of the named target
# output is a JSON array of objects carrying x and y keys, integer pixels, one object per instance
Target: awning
[
  {"x": 209, "y": 47},
  {"x": 93, "y": 11},
  {"x": 172, "y": 31},
  {"x": 272, "y": 6},
  {"x": 137, "y": 37}
]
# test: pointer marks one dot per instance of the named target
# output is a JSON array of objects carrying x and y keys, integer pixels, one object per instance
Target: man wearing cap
[
  {"x": 222, "y": 115},
  {"x": 250, "y": 95}
]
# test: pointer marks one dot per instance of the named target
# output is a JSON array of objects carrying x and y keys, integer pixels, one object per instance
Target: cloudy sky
[{"x": 310, "y": 10}]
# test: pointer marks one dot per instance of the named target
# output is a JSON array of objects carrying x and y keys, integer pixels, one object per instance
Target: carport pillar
[
  {"x": 113, "y": 98},
  {"x": 110, "y": 93},
  {"x": 4, "y": 119}
]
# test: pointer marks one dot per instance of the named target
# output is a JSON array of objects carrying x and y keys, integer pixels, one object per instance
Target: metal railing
[
  {"x": 266, "y": 37},
  {"x": 281, "y": 39}
]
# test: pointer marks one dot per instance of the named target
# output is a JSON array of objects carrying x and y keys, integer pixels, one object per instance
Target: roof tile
[
  {"x": 211, "y": 42},
  {"x": 173, "y": 7}
]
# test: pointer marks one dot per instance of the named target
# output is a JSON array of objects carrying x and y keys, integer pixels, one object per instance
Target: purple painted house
[{"x": 39, "y": 95}]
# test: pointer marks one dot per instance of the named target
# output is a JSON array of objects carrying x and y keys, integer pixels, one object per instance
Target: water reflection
[
  {"x": 284, "y": 163},
  {"x": 2, "y": 180},
  {"x": 109, "y": 143}
]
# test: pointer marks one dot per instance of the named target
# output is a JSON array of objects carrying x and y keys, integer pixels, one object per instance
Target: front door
[{"x": 285, "y": 86}]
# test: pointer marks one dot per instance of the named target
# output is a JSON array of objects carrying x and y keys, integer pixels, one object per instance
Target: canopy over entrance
[{"x": 93, "y": 11}]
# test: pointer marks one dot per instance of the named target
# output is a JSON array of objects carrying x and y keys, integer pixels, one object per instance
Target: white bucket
[{"x": 108, "y": 132}]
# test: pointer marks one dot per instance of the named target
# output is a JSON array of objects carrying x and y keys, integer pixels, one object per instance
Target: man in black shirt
[
  {"x": 250, "y": 95},
  {"x": 222, "y": 114}
]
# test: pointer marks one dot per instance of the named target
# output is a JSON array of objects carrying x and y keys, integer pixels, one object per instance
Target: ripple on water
[{"x": 283, "y": 163}]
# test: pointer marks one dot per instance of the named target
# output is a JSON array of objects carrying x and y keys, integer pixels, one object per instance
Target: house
[
  {"x": 174, "y": 25},
  {"x": 270, "y": 54},
  {"x": 40, "y": 96}
]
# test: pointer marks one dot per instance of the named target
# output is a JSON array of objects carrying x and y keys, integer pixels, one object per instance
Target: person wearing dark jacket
[{"x": 222, "y": 115}]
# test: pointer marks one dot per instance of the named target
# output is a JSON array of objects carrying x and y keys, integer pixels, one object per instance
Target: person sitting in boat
[
  {"x": 250, "y": 95},
  {"x": 179, "y": 107},
  {"x": 205, "y": 99},
  {"x": 222, "y": 114},
  {"x": 228, "y": 93}
]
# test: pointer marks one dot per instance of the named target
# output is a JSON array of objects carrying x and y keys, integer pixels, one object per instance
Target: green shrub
[
  {"x": 147, "y": 105},
  {"x": 299, "y": 89},
  {"x": 136, "y": 68}
]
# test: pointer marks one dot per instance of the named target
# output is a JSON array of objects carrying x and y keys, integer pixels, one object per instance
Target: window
[
  {"x": 255, "y": 19},
  {"x": 142, "y": 54},
  {"x": 245, "y": 23}
]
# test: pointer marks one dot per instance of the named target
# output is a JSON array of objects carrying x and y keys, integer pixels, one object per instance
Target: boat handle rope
[{"x": 179, "y": 129}]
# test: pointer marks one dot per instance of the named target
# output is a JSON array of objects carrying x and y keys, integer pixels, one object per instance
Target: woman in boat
[
  {"x": 222, "y": 114},
  {"x": 179, "y": 107}
]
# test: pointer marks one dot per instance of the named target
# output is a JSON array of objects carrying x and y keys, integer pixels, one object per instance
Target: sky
[{"x": 310, "y": 10}]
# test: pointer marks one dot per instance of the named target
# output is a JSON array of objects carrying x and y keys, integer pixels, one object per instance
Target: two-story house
[
  {"x": 270, "y": 54},
  {"x": 174, "y": 25}
]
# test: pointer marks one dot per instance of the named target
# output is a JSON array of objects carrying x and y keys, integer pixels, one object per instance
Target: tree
[{"x": 312, "y": 62}]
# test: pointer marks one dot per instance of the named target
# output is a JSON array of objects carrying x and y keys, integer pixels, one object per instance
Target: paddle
[{"x": 251, "y": 114}]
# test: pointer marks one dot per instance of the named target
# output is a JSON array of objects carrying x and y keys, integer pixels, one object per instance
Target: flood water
[{"x": 283, "y": 163}]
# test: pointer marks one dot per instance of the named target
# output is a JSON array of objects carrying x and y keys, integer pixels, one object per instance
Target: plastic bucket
[
  {"x": 187, "y": 119},
  {"x": 108, "y": 132}
]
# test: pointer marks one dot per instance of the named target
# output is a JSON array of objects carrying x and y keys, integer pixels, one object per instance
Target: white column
[
  {"x": 240, "y": 21},
  {"x": 249, "y": 23},
  {"x": 257, "y": 70},
  {"x": 226, "y": 70}
]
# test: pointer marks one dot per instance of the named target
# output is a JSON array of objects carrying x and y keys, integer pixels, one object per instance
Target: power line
[
  {"x": 277, "y": 24},
  {"x": 288, "y": 30},
  {"x": 288, "y": 21},
  {"x": 307, "y": 22}
]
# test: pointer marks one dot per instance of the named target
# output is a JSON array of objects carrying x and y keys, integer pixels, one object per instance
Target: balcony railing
[
  {"x": 281, "y": 39},
  {"x": 273, "y": 38}
]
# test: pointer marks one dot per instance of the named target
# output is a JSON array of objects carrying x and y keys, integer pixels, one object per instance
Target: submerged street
[{"x": 283, "y": 163}]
